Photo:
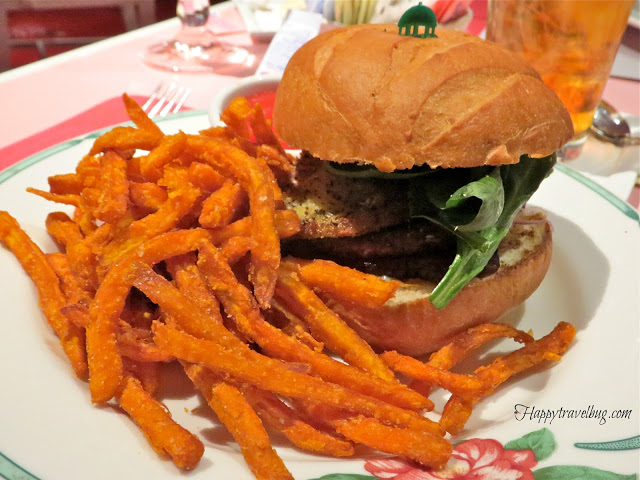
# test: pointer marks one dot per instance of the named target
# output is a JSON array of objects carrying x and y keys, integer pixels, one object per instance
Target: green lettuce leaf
[{"x": 476, "y": 220}]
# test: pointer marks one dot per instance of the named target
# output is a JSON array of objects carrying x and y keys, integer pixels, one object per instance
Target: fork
[{"x": 166, "y": 98}]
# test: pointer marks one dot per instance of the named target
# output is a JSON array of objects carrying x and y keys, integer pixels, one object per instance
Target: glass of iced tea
[{"x": 571, "y": 43}]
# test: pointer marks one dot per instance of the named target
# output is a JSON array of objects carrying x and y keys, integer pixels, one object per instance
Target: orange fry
[
  {"x": 454, "y": 382},
  {"x": 242, "y": 421},
  {"x": 241, "y": 306},
  {"x": 149, "y": 374},
  {"x": 163, "y": 433},
  {"x": 327, "y": 327},
  {"x": 125, "y": 138},
  {"x": 187, "y": 277},
  {"x": 62, "y": 230},
  {"x": 147, "y": 195},
  {"x": 169, "y": 148},
  {"x": 257, "y": 180},
  {"x": 287, "y": 224},
  {"x": 183, "y": 310},
  {"x": 105, "y": 362},
  {"x": 348, "y": 284},
  {"x": 418, "y": 445},
  {"x": 137, "y": 344},
  {"x": 235, "y": 248},
  {"x": 222, "y": 206},
  {"x": 139, "y": 117},
  {"x": 34, "y": 263},
  {"x": 458, "y": 408},
  {"x": 449, "y": 355},
  {"x": 114, "y": 189},
  {"x": 279, "y": 416},
  {"x": 65, "y": 199},
  {"x": 205, "y": 177},
  {"x": 252, "y": 367},
  {"x": 68, "y": 283},
  {"x": 65, "y": 183}
]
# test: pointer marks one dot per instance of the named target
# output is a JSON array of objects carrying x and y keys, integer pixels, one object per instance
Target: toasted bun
[
  {"x": 365, "y": 94},
  {"x": 409, "y": 323}
]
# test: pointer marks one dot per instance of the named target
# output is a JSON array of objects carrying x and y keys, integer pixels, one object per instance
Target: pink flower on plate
[{"x": 475, "y": 459}]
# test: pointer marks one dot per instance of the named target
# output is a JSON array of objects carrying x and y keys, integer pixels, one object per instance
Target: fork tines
[{"x": 166, "y": 98}]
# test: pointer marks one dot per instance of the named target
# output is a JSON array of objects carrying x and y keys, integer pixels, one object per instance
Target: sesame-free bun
[
  {"x": 365, "y": 94},
  {"x": 409, "y": 323}
]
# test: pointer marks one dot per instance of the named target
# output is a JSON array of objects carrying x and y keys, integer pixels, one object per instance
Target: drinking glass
[
  {"x": 571, "y": 43},
  {"x": 195, "y": 48}
]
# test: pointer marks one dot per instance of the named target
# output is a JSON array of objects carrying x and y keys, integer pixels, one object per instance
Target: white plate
[{"x": 49, "y": 429}]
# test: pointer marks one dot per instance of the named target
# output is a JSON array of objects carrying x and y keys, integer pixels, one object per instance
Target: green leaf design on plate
[
  {"x": 631, "y": 443},
  {"x": 541, "y": 442},
  {"x": 572, "y": 472},
  {"x": 345, "y": 476}
]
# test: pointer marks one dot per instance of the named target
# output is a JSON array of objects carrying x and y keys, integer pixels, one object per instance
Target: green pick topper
[{"x": 418, "y": 21}]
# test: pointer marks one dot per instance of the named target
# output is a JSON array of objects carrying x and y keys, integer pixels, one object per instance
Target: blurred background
[{"x": 36, "y": 29}]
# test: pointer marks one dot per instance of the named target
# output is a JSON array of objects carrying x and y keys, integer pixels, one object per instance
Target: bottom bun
[{"x": 409, "y": 323}]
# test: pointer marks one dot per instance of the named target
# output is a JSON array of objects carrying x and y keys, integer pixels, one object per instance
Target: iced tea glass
[{"x": 571, "y": 43}]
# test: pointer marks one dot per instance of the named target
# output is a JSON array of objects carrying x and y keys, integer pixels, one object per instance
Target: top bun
[{"x": 365, "y": 94}]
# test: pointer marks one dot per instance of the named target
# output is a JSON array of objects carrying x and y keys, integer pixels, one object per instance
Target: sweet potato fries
[{"x": 171, "y": 253}]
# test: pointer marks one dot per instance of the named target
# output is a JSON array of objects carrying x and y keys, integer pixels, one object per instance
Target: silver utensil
[
  {"x": 165, "y": 99},
  {"x": 610, "y": 126}
]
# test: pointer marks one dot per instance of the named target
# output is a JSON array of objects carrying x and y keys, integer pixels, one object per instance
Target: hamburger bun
[{"x": 365, "y": 94}]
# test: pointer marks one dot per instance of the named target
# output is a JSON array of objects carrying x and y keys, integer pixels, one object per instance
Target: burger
[{"x": 418, "y": 156}]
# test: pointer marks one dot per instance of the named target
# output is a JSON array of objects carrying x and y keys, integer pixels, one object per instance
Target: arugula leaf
[{"x": 476, "y": 247}]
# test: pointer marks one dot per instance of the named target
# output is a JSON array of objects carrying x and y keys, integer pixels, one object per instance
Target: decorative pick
[{"x": 418, "y": 21}]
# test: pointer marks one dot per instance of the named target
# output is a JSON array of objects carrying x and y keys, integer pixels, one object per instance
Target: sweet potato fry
[
  {"x": 65, "y": 199},
  {"x": 257, "y": 180},
  {"x": 63, "y": 230},
  {"x": 205, "y": 177},
  {"x": 458, "y": 408},
  {"x": 222, "y": 206},
  {"x": 148, "y": 373},
  {"x": 282, "y": 380},
  {"x": 449, "y": 355},
  {"x": 327, "y": 327},
  {"x": 139, "y": 117},
  {"x": 68, "y": 283},
  {"x": 235, "y": 248},
  {"x": 279, "y": 416},
  {"x": 241, "y": 306},
  {"x": 105, "y": 362},
  {"x": 454, "y": 382},
  {"x": 113, "y": 189},
  {"x": 418, "y": 445},
  {"x": 244, "y": 424},
  {"x": 186, "y": 276},
  {"x": 147, "y": 195},
  {"x": 464, "y": 343},
  {"x": 184, "y": 311},
  {"x": 287, "y": 224},
  {"x": 348, "y": 284},
  {"x": 125, "y": 138},
  {"x": 163, "y": 433},
  {"x": 533, "y": 353},
  {"x": 65, "y": 183},
  {"x": 169, "y": 148},
  {"x": 137, "y": 344},
  {"x": 34, "y": 263}
]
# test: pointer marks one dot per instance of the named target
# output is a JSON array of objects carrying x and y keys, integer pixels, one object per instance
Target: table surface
[{"x": 41, "y": 95}]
